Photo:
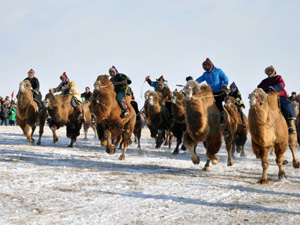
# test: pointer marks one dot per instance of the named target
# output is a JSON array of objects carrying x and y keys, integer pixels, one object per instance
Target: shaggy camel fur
[
  {"x": 158, "y": 117},
  {"x": 235, "y": 135},
  {"x": 27, "y": 112},
  {"x": 268, "y": 129},
  {"x": 62, "y": 113},
  {"x": 88, "y": 119},
  {"x": 110, "y": 125},
  {"x": 202, "y": 119},
  {"x": 178, "y": 126}
]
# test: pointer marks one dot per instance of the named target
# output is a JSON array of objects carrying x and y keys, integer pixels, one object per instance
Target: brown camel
[
  {"x": 268, "y": 129},
  {"x": 111, "y": 128},
  {"x": 62, "y": 113},
  {"x": 178, "y": 126},
  {"x": 88, "y": 119},
  {"x": 158, "y": 115},
  {"x": 27, "y": 112},
  {"x": 235, "y": 135},
  {"x": 202, "y": 119}
]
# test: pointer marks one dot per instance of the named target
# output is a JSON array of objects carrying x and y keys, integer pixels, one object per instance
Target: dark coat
[
  {"x": 121, "y": 82},
  {"x": 275, "y": 82},
  {"x": 35, "y": 84}
]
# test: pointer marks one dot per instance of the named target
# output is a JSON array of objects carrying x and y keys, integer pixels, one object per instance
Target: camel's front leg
[
  {"x": 292, "y": 144},
  {"x": 28, "y": 134},
  {"x": 41, "y": 130},
  {"x": 55, "y": 138},
  {"x": 265, "y": 165},
  {"x": 127, "y": 134},
  {"x": 110, "y": 148}
]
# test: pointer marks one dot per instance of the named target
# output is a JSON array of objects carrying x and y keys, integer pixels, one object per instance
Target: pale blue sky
[{"x": 170, "y": 38}]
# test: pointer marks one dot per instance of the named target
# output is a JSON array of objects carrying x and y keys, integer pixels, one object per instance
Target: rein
[{"x": 266, "y": 124}]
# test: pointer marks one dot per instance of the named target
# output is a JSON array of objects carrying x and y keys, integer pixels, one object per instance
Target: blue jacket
[
  {"x": 155, "y": 84},
  {"x": 216, "y": 78}
]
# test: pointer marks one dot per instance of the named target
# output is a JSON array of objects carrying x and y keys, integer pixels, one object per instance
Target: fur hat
[
  {"x": 161, "y": 77},
  {"x": 31, "y": 71},
  {"x": 207, "y": 61},
  {"x": 189, "y": 78},
  {"x": 270, "y": 68},
  {"x": 294, "y": 93},
  {"x": 64, "y": 76},
  {"x": 114, "y": 69}
]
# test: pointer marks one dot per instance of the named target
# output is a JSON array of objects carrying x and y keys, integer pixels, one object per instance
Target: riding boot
[
  {"x": 40, "y": 105},
  {"x": 291, "y": 126},
  {"x": 243, "y": 120},
  {"x": 222, "y": 118},
  {"x": 78, "y": 112},
  {"x": 124, "y": 109}
]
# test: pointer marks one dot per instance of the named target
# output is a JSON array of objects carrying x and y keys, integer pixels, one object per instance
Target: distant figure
[
  {"x": 87, "y": 95},
  {"x": 35, "y": 85},
  {"x": 155, "y": 83},
  {"x": 12, "y": 115},
  {"x": 218, "y": 82},
  {"x": 275, "y": 83},
  {"x": 235, "y": 93},
  {"x": 293, "y": 97}
]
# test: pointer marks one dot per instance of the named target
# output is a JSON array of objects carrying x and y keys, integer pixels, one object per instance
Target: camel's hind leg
[
  {"x": 126, "y": 139},
  {"x": 26, "y": 130},
  {"x": 55, "y": 138},
  {"x": 279, "y": 151},
  {"x": 110, "y": 148},
  {"x": 292, "y": 145},
  {"x": 212, "y": 146},
  {"x": 41, "y": 129}
]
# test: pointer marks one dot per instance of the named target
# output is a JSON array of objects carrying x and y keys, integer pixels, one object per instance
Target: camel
[
  {"x": 158, "y": 117},
  {"x": 88, "y": 119},
  {"x": 268, "y": 129},
  {"x": 27, "y": 114},
  {"x": 111, "y": 128},
  {"x": 235, "y": 135},
  {"x": 62, "y": 113},
  {"x": 178, "y": 126},
  {"x": 138, "y": 132},
  {"x": 202, "y": 119}
]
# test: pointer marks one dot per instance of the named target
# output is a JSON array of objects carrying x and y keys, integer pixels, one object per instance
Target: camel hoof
[
  {"x": 238, "y": 149},
  {"x": 263, "y": 181},
  {"x": 175, "y": 152},
  {"x": 296, "y": 164},
  {"x": 70, "y": 145},
  {"x": 55, "y": 140},
  {"x": 38, "y": 143},
  {"x": 215, "y": 161},
  {"x": 183, "y": 148},
  {"x": 206, "y": 168},
  {"x": 281, "y": 175},
  {"x": 196, "y": 161},
  {"x": 285, "y": 162},
  {"x": 243, "y": 154},
  {"x": 229, "y": 162},
  {"x": 111, "y": 149},
  {"x": 122, "y": 157}
]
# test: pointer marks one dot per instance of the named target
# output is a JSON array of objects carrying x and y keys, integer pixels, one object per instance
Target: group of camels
[{"x": 195, "y": 119}]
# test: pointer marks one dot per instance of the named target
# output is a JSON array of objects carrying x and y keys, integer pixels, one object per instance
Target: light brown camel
[
  {"x": 202, "y": 119},
  {"x": 268, "y": 129},
  {"x": 111, "y": 128},
  {"x": 235, "y": 135},
  {"x": 27, "y": 114},
  {"x": 88, "y": 119},
  {"x": 158, "y": 115},
  {"x": 62, "y": 113}
]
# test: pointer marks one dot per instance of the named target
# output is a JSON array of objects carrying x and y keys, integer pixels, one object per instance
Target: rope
[
  {"x": 142, "y": 90},
  {"x": 266, "y": 124}
]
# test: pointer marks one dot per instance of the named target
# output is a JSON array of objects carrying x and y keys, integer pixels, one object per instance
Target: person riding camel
[
  {"x": 35, "y": 87},
  {"x": 155, "y": 83},
  {"x": 121, "y": 82},
  {"x": 218, "y": 81},
  {"x": 275, "y": 83},
  {"x": 235, "y": 93},
  {"x": 68, "y": 87}
]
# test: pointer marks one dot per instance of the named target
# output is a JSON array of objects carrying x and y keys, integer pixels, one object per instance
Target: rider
[
  {"x": 218, "y": 82},
  {"x": 35, "y": 86},
  {"x": 235, "y": 93},
  {"x": 155, "y": 83},
  {"x": 68, "y": 87},
  {"x": 87, "y": 95},
  {"x": 121, "y": 82},
  {"x": 275, "y": 83}
]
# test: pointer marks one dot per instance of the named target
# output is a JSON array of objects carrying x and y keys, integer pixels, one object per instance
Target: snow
[{"x": 53, "y": 184}]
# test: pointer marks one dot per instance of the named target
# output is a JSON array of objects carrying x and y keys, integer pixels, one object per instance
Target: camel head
[
  {"x": 229, "y": 101},
  {"x": 257, "y": 96},
  {"x": 49, "y": 99},
  {"x": 102, "y": 82},
  {"x": 153, "y": 98},
  {"x": 192, "y": 87},
  {"x": 177, "y": 98},
  {"x": 147, "y": 93},
  {"x": 25, "y": 86}
]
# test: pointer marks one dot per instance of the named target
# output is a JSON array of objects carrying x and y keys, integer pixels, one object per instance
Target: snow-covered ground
[{"x": 53, "y": 184}]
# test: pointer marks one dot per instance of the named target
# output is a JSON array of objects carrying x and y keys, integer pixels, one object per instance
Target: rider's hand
[
  {"x": 147, "y": 77},
  {"x": 51, "y": 90}
]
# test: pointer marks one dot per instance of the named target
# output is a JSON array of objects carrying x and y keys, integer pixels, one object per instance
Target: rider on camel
[
  {"x": 235, "y": 93},
  {"x": 155, "y": 83}
]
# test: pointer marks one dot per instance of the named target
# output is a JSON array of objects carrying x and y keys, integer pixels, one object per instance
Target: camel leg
[
  {"x": 72, "y": 142},
  {"x": 292, "y": 144},
  {"x": 206, "y": 166},
  {"x": 265, "y": 165},
  {"x": 28, "y": 133},
  {"x": 85, "y": 132},
  {"x": 170, "y": 140},
  {"x": 228, "y": 142},
  {"x": 32, "y": 131},
  {"x": 110, "y": 148},
  {"x": 95, "y": 130},
  {"x": 279, "y": 151},
  {"x": 139, "y": 139},
  {"x": 41, "y": 129},
  {"x": 55, "y": 138},
  {"x": 127, "y": 134},
  {"x": 176, "y": 150},
  {"x": 194, "y": 157}
]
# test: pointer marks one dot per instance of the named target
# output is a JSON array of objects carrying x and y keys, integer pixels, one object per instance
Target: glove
[
  {"x": 36, "y": 91},
  {"x": 224, "y": 87},
  {"x": 147, "y": 77},
  {"x": 270, "y": 89}
]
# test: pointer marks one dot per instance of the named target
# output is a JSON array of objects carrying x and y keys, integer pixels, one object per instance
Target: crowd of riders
[{"x": 213, "y": 76}]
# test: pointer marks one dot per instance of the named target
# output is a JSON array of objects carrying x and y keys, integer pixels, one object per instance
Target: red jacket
[{"x": 276, "y": 82}]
